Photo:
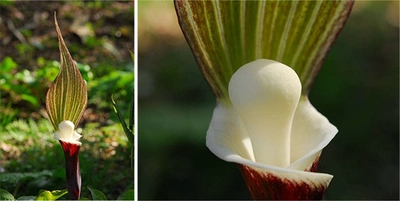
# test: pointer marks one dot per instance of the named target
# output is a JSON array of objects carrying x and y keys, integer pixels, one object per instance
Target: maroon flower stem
[{"x": 71, "y": 152}]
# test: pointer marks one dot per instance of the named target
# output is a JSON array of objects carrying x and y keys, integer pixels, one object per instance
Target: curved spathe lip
[
  {"x": 228, "y": 139},
  {"x": 306, "y": 132}
]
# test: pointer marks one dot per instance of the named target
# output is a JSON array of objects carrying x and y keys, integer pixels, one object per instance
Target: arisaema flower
[
  {"x": 260, "y": 59},
  {"x": 66, "y": 101}
]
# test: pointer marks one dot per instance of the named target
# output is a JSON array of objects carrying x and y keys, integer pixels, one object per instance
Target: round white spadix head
[
  {"x": 265, "y": 93},
  {"x": 66, "y": 133}
]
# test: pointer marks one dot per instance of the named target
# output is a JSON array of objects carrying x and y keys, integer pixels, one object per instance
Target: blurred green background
[
  {"x": 99, "y": 36},
  {"x": 357, "y": 89}
]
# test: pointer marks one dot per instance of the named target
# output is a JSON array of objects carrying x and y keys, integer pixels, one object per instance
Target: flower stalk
[
  {"x": 66, "y": 101},
  {"x": 71, "y": 153}
]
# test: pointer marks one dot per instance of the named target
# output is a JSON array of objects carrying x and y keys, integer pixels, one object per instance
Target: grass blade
[{"x": 127, "y": 130}]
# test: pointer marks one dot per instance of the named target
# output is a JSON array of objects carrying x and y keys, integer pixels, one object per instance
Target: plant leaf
[
  {"x": 224, "y": 35},
  {"x": 127, "y": 130},
  {"x": 30, "y": 98},
  {"x": 96, "y": 194},
  {"x": 132, "y": 55},
  {"x": 53, "y": 195},
  {"x": 67, "y": 96},
  {"x": 5, "y": 195},
  {"x": 7, "y": 65},
  {"x": 127, "y": 195},
  {"x": 132, "y": 111},
  {"x": 16, "y": 177},
  {"x": 31, "y": 197}
]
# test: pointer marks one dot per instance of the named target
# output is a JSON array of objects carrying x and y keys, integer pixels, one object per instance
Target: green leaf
[
  {"x": 5, "y": 195},
  {"x": 224, "y": 35},
  {"x": 67, "y": 96},
  {"x": 16, "y": 177},
  {"x": 30, "y": 98},
  {"x": 27, "y": 198},
  {"x": 132, "y": 55},
  {"x": 53, "y": 195},
  {"x": 96, "y": 194},
  {"x": 127, "y": 130},
  {"x": 7, "y": 65},
  {"x": 127, "y": 195},
  {"x": 7, "y": 117},
  {"x": 132, "y": 111}
]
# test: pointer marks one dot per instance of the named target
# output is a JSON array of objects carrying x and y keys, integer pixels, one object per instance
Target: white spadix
[
  {"x": 272, "y": 132},
  {"x": 66, "y": 133},
  {"x": 265, "y": 93}
]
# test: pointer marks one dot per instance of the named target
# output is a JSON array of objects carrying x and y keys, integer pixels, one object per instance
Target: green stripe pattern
[
  {"x": 67, "y": 96},
  {"x": 224, "y": 35}
]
